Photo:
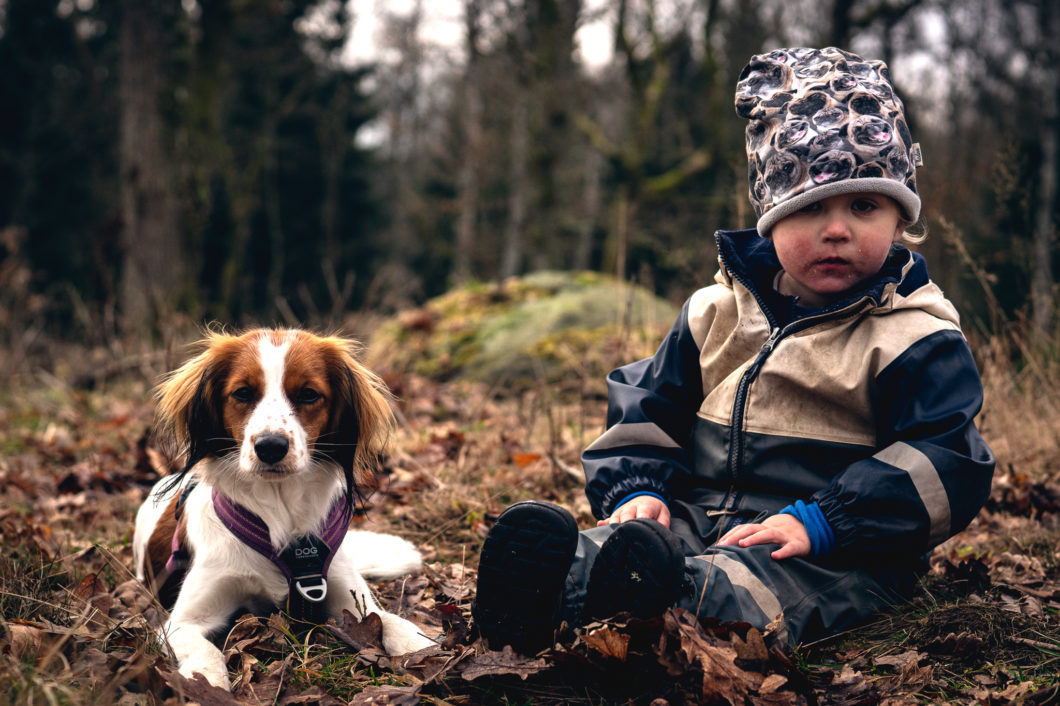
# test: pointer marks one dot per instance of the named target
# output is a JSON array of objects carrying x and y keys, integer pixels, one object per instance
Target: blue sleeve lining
[
  {"x": 629, "y": 497},
  {"x": 822, "y": 538}
]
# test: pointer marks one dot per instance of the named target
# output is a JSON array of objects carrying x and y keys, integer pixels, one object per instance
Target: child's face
[{"x": 835, "y": 244}]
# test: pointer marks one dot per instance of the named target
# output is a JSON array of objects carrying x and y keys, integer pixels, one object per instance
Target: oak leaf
[{"x": 608, "y": 642}]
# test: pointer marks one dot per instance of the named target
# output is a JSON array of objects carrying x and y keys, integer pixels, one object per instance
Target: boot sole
[
  {"x": 522, "y": 569},
  {"x": 639, "y": 571}
]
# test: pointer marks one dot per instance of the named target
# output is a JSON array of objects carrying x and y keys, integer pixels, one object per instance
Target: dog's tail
[{"x": 381, "y": 556}]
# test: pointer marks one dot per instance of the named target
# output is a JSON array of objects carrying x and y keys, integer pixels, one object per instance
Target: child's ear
[{"x": 899, "y": 231}]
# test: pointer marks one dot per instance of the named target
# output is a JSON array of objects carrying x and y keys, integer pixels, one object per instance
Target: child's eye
[
  {"x": 811, "y": 208},
  {"x": 863, "y": 206}
]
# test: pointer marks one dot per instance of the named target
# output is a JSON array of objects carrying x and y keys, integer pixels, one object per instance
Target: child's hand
[
  {"x": 640, "y": 506},
  {"x": 785, "y": 530}
]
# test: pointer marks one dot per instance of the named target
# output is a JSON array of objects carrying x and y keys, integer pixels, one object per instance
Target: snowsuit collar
[{"x": 748, "y": 258}]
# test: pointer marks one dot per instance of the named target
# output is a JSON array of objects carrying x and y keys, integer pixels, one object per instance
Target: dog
[{"x": 276, "y": 430}]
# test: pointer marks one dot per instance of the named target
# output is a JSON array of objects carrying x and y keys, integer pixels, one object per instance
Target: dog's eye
[
  {"x": 307, "y": 395},
  {"x": 243, "y": 394}
]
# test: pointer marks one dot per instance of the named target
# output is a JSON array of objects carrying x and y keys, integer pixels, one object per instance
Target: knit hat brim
[{"x": 908, "y": 201}]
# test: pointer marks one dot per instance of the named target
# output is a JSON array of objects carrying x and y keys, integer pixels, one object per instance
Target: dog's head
[
  {"x": 275, "y": 405},
  {"x": 830, "y": 166}
]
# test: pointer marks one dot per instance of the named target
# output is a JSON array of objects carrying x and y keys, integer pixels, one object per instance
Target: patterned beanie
[{"x": 823, "y": 122}]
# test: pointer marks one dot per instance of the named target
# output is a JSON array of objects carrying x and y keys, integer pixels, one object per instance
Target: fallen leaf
[
  {"x": 433, "y": 664},
  {"x": 23, "y": 640},
  {"x": 90, "y": 586},
  {"x": 494, "y": 663},
  {"x": 608, "y": 642},
  {"x": 851, "y": 687},
  {"x": 198, "y": 690},
  {"x": 752, "y": 649},
  {"x": 312, "y": 695},
  {"x": 911, "y": 678},
  {"x": 387, "y": 696},
  {"x": 772, "y": 683},
  {"x": 454, "y": 625},
  {"x": 1014, "y": 693},
  {"x": 359, "y": 634},
  {"x": 722, "y": 679},
  {"x": 901, "y": 661},
  {"x": 524, "y": 460}
]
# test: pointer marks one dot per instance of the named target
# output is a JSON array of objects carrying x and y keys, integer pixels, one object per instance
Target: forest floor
[{"x": 75, "y": 463}]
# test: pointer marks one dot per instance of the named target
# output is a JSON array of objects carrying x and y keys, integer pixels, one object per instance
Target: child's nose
[{"x": 836, "y": 227}]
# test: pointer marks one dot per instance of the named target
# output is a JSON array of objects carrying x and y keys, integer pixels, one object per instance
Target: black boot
[
  {"x": 639, "y": 570},
  {"x": 522, "y": 569}
]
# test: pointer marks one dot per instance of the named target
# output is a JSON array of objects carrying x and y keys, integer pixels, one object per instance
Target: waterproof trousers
[{"x": 813, "y": 598}]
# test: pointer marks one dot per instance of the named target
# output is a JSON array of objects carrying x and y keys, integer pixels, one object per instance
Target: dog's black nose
[{"x": 270, "y": 448}]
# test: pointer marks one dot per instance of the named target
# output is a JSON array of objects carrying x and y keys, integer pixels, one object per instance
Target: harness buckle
[{"x": 314, "y": 593}]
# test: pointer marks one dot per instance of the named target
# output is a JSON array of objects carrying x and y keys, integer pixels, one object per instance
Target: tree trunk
[
  {"x": 334, "y": 143},
  {"x": 1042, "y": 295},
  {"x": 273, "y": 220},
  {"x": 518, "y": 196},
  {"x": 467, "y": 179},
  {"x": 153, "y": 268},
  {"x": 622, "y": 216},
  {"x": 590, "y": 210}
]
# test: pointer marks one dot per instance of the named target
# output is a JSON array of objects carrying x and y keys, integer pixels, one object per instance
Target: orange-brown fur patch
[
  {"x": 180, "y": 391},
  {"x": 159, "y": 548},
  {"x": 306, "y": 366},
  {"x": 243, "y": 370},
  {"x": 360, "y": 392}
]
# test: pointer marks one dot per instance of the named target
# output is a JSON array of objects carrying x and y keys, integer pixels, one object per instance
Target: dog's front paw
[
  {"x": 401, "y": 636},
  {"x": 216, "y": 674},
  {"x": 411, "y": 643}
]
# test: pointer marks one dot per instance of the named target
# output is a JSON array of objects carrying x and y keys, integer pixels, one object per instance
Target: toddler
[{"x": 804, "y": 435}]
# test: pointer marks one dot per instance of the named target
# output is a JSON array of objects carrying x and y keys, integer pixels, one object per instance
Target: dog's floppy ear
[
  {"x": 361, "y": 413},
  {"x": 189, "y": 405}
]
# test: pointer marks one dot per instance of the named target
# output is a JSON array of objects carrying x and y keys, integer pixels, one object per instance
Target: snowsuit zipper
[{"x": 739, "y": 407}]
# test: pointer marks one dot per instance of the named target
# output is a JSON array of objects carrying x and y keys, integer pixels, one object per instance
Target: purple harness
[{"x": 304, "y": 562}]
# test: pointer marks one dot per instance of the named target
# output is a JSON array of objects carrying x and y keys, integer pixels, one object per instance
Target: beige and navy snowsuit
[{"x": 861, "y": 414}]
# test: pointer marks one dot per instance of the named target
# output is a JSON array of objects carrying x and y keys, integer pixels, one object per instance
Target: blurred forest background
[{"x": 166, "y": 163}]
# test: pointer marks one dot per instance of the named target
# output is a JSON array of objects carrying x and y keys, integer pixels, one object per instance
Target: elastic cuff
[
  {"x": 629, "y": 497},
  {"x": 822, "y": 538}
]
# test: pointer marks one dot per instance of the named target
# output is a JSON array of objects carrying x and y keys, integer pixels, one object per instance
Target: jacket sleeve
[
  {"x": 651, "y": 408},
  {"x": 933, "y": 470}
]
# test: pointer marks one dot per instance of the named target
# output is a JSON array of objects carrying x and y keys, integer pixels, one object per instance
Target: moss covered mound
[{"x": 554, "y": 327}]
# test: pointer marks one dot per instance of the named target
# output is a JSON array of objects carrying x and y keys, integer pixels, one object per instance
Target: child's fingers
[
  {"x": 738, "y": 533},
  {"x": 787, "y": 550},
  {"x": 652, "y": 509},
  {"x": 660, "y": 513},
  {"x": 626, "y": 512},
  {"x": 764, "y": 535},
  {"x": 795, "y": 546},
  {"x": 789, "y": 546}
]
